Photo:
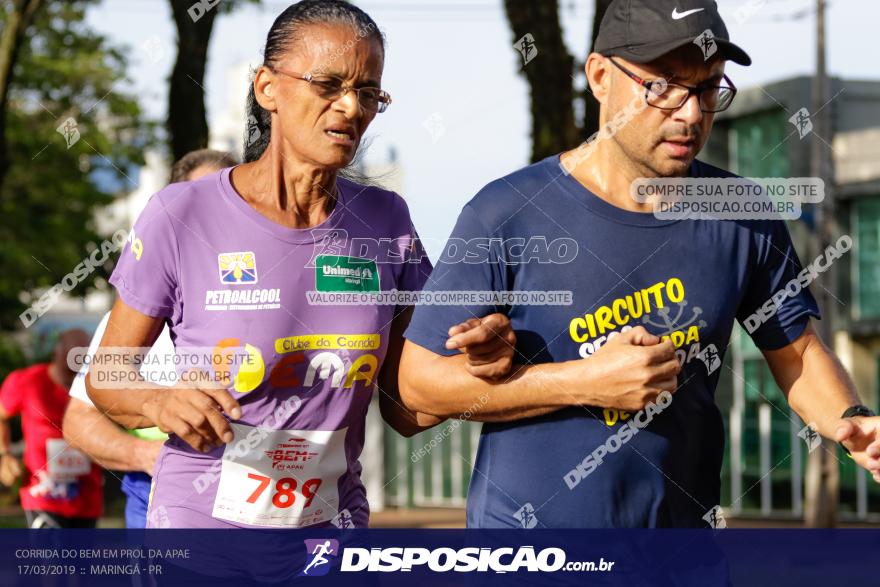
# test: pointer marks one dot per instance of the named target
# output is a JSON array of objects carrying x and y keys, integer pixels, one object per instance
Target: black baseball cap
[{"x": 643, "y": 30}]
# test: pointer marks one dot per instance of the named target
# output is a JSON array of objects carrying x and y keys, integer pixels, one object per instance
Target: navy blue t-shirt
[{"x": 686, "y": 279}]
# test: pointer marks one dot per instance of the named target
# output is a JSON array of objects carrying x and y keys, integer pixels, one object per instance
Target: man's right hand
[
  {"x": 630, "y": 370},
  {"x": 148, "y": 455},
  {"x": 195, "y": 415}
]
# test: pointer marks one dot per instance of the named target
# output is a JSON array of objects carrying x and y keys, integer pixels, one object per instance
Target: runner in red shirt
[{"x": 62, "y": 488}]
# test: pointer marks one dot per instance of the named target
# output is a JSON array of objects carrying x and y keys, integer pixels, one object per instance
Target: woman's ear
[
  {"x": 598, "y": 76},
  {"x": 264, "y": 88}
]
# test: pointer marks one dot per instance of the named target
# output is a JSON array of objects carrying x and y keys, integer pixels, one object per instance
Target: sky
[{"x": 460, "y": 114}]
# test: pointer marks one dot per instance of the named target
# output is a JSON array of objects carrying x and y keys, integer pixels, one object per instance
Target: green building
[{"x": 757, "y": 138}]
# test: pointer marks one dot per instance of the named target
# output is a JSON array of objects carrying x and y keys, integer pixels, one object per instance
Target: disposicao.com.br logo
[{"x": 442, "y": 560}]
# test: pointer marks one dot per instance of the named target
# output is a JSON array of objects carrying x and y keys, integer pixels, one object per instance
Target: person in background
[
  {"x": 133, "y": 451},
  {"x": 197, "y": 164},
  {"x": 62, "y": 488}
]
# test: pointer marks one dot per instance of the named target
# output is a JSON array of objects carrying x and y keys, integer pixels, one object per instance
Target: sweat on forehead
[
  {"x": 301, "y": 18},
  {"x": 330, "y": 48},
  {"x": 685, "y": 63},
  {"x": 340, "y": 38}
]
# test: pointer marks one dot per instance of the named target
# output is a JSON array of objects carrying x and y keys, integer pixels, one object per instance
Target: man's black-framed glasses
[
  {"x": 667, "y": 95},
  {"x": 330, "y": 87}
]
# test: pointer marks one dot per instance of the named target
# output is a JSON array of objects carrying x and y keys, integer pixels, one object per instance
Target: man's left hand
[
  {"x": 861, "y": 435},
  {"x": 489, "y": 343}
]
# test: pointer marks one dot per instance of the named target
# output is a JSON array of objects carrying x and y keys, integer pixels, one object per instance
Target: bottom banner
[{"x": 439, "y": 557}]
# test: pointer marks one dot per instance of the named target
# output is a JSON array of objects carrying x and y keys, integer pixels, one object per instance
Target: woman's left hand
[{"x": 489, "y": 344}]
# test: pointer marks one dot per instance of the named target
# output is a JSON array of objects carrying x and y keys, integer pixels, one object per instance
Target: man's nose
[{"x": 690, "y": 112}]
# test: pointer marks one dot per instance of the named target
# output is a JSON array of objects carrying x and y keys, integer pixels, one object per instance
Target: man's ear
[
  {"x": 264, "y": 88},
  {"x": 598, "y": 76}
]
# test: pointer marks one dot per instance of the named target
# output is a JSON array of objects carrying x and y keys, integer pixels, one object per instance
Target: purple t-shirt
[{"x": 224, "y": 276}]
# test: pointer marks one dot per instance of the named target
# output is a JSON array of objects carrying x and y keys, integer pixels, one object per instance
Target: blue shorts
[{"x": 136, "y": 487}]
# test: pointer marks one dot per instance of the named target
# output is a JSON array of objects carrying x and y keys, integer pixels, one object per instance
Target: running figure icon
[{"x": 321, "y": 549}]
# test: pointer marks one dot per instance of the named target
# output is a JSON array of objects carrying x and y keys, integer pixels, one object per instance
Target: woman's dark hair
[
  {"x": 185, "y": 165},
  {"x": 285, "y": 32}
]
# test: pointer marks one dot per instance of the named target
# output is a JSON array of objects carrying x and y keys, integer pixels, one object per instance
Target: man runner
[
  {"x": 62, "y": 488},
  {"x": 587, "y": 432}
]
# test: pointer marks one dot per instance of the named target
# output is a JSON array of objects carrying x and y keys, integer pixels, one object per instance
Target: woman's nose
[{"x": 348, "y": 103}]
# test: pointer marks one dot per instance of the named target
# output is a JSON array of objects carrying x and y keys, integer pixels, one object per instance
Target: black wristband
[
  {"x": 852, "y": 411},
  {"x": 858, "y": 410}
]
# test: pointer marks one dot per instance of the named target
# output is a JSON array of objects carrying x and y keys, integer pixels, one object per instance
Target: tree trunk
[
  {"x": 822, "y": 486},
  {"x": 591, "y": 106},
  {"x": 187, "y": 121},
  {"x": 823, "y": 483},
  {"x": 548, "y": 68},
  {"x": 19, "y": 19}
]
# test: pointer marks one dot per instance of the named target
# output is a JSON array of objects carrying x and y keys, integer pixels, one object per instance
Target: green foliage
[
  {"x": 52, "y": 191},
  {"x": 11, "y": 357}
]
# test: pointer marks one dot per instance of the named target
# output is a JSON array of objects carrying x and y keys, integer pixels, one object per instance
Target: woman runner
[{"x": 232, "y": 261}]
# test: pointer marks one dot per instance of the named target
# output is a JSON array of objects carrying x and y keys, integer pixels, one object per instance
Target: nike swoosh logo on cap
[{"x": 676, "y": 15}]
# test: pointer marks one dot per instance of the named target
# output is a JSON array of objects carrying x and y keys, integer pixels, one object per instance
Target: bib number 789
[{"x": 285, "y": 489}]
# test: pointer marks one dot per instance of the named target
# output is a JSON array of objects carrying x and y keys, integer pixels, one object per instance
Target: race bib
[
  {"x": 65, "y": 463},
  {"x": 280, "y": 478}
]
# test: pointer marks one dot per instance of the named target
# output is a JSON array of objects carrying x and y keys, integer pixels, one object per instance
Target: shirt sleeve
[
  {"x": 146, "y": 275},
  {"x": 78, "y": 387},
  {"x": 777, "y": 304},
  {"x": 11, "y": 393},
  {"x": 456, "y": 272}
]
